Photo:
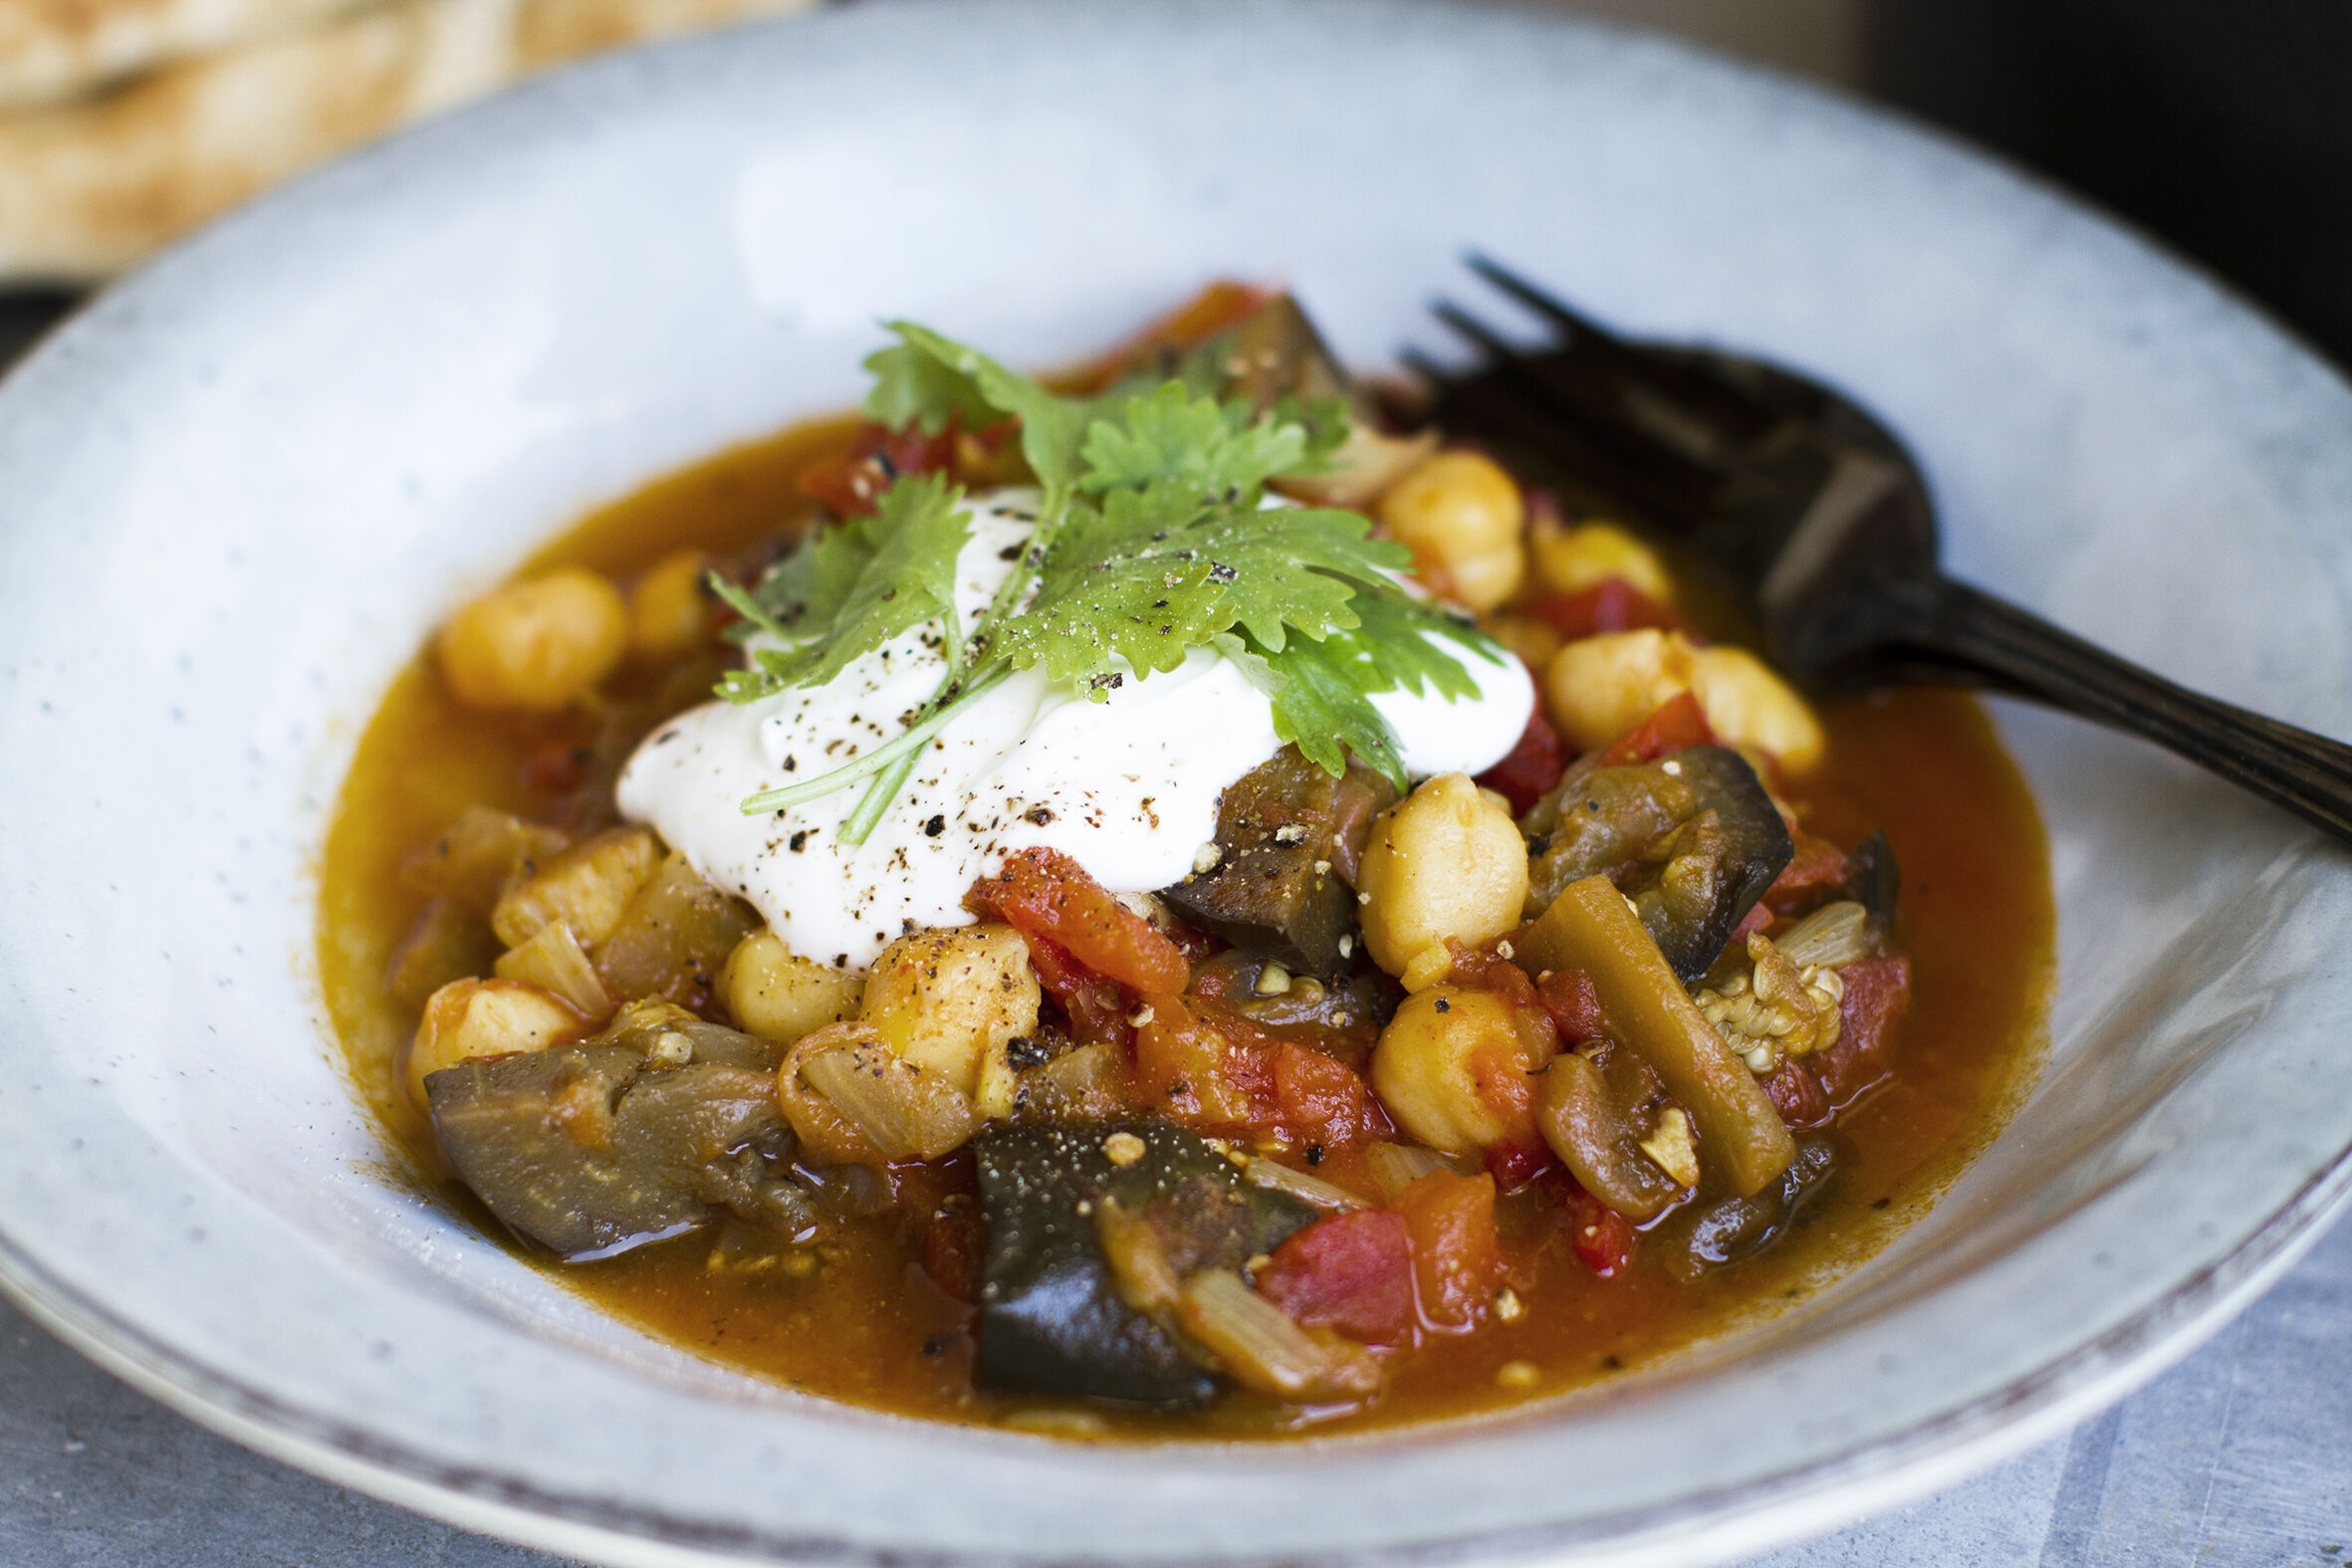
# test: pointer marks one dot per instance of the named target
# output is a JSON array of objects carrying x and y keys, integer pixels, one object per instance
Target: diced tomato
[
  {"x": 953, "y": 1245},
  {"x": 1042, "y": 892},
  {"x": 1352, "y": 1273},
  {"x": 1611, "y": 605},
  {"x": 1095, "y": 1005},
  {"x": 1180, "y": 1065},
  {"x": 1532, "y": 768},
  {"x": 1319, "y": 1100},
  {"x": 1677, "y": 721},
  {"x": 1818, "y": 867},
  {"x": 1214, "y": 1069},
  {"x": 1603, "y": 1238},
  {"x": 1457, "y": 1255},
  {"x": 1877, "y": 991},
  {"x": 1759, "y": 916},
  {"x": 1569, "y": 996}
]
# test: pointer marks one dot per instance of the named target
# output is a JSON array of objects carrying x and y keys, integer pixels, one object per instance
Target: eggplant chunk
[
  {"x": 1052, "y": 1320},
  {"x": 588, "y": 1150},
  {"x": 1693, "y": 840},
  {"x": 1289, "y": 837},
  {"x": 1739, "y": 1227}
]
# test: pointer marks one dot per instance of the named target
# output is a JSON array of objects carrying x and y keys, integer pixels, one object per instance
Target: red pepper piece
[
  {"x": 1095, "y": 1006},
  {"x": 1569, "y": 996},
  {"x": 1796, "y": 1093},
  {"x": 1352, "y": 1273},
  {"x": 1818, "y": 867},
  {"x": 1677, "y": 721},
  {"x": 850, "y": 485},
  {"x": 1532, "y": 768},
  {"x": 1602, "y": 1238},
  {"x": 1042, "y": 892},
  {"x": 953, "y": 1245},
  {"x": 1612, "y": 604}
]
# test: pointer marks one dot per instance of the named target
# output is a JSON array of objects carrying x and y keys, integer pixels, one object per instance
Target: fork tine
[
  {"x": 1710, "y": 398},
  {"x": 1478, "y": 332},
  {"x": 1535, "y": 299}
]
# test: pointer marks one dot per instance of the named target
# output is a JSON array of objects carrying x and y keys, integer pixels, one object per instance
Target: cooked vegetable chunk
[
  {"x": 1589, "y": 927},
  {"x": 467, "y": 1018},
  {"x": 1051, "y": 1317},
  {"x": 587, "y": 886},
  {"x": 1693, "y": 840},
  {"x": 1289, "y": 837},
  {"x": 1739, "y": 1227},
  {"x": 661, "y": 1123},
  {"x": 950, "y": 1001}
]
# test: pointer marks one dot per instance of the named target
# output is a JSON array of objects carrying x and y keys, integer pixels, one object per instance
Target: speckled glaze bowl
[{"x": 237, "y": 490}]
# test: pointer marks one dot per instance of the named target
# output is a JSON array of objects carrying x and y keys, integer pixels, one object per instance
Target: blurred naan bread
[
  {"x": 87, "y": 189},
  {"x": 53, "y": 50}
]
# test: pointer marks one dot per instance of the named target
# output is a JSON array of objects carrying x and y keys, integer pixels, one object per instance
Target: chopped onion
[
  {"x": 1313, "y": 1190},
  {"x": 1831, "y": 936},
  {"x": 901, "y": 1112},
  {"x": 1261, "y": 1349},
  {"x": 1397, "y": 1166}
]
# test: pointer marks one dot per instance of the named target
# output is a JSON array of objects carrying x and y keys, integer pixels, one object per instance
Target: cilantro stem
[{"x": 903, "y": 745}]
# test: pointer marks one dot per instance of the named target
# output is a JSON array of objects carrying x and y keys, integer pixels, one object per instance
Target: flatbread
[
  {"x": 52, "y": 51},
  {"x": 87, "y": 189}
]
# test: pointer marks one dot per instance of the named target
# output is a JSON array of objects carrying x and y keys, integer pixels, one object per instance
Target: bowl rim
[{"x": 1777, "y": 1505}]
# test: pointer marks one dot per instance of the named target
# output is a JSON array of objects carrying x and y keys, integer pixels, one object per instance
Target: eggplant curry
[{"x": 1165, "y": 903}]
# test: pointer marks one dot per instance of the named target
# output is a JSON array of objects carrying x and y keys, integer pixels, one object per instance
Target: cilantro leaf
[
  {"x": 1150, "y": 541},
  {"x": 1156, "y": 571},
  {"x": 1211, "y": 448},
  {"x": 912, "y": 386},
  {"x": 858, "y": 584},
  {"x": 1051, "y": 427},
  {"x": 1324, "y": 702}
]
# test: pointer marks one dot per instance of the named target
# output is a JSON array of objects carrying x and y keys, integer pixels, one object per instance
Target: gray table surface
[{"x": 2243, "y": 1455}]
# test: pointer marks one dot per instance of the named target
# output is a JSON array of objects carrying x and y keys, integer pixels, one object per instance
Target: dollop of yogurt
[{"x": 1127, "y": 786}]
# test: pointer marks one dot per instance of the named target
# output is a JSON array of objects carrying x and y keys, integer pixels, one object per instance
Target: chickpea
[
  {"x": 669, "y": 615},
  {"x": 1748, "y": 705},
  {"x": 538, "y": 644},
  {"x": 1597, "y": 688},
  {"x": 1446, "y": 1069},
  {"x": 1446, "y": 862},
  {"x": 469, "y": 1018},
  {"x": 950, "y": 1001},
  {"x": 1461, "y": 517},
  {"x": 1571, "y": 559},
  {"x": 776, "y": 994}
]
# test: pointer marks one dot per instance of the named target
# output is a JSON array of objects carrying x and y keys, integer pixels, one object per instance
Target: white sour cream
[{"x": 1128, "y": 788}]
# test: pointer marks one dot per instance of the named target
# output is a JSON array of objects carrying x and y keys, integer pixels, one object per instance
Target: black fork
[{"x": 1810, "y": 513}]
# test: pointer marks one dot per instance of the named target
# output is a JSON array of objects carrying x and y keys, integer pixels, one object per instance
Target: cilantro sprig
[{"x": 1154, "y": 537}]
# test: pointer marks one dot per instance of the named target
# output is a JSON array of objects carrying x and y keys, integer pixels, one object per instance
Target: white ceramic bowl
[{"x": 240, "y": 489}]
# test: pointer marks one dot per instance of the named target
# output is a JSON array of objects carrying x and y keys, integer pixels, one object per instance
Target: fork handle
[{"x": 1975, "y": 637}]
